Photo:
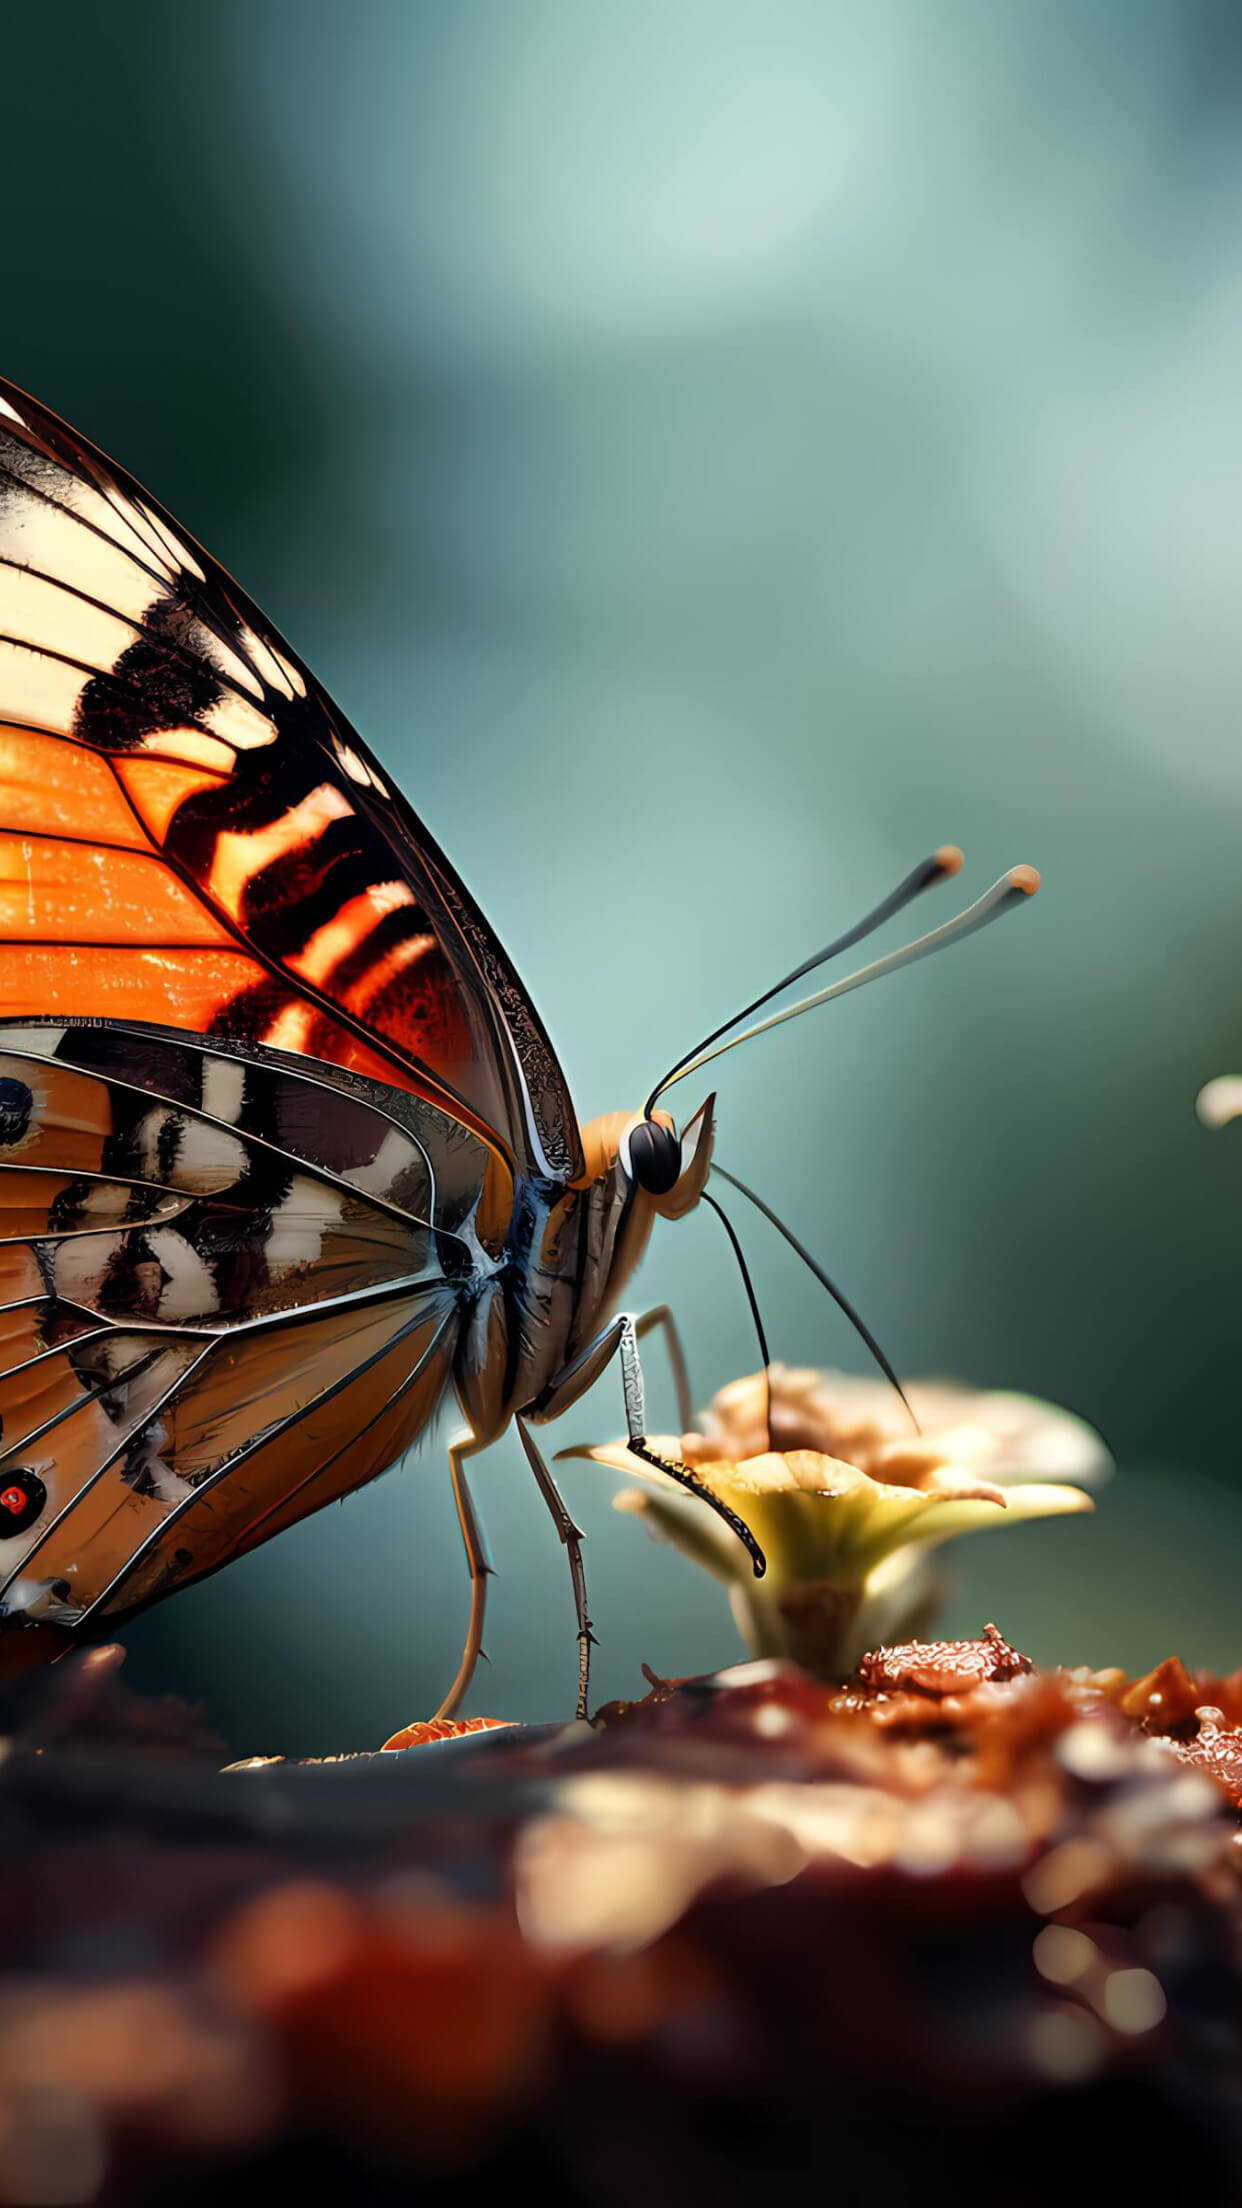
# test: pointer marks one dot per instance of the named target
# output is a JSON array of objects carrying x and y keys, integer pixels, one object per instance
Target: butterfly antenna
[
  {"x": 1012, "y": 889},
  {"x": 940, "y": 867},
  {"x": 751, "y": 1298},
  {"x": 841, "y": 1300}
]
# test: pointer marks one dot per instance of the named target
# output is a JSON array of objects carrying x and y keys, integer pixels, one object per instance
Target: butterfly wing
[
  {"x": 224, "y": 1302},
  {"x": 191, "y": 833}
]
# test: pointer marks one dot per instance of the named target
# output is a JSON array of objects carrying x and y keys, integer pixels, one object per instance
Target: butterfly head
[{"x": 646, "y": 1153}]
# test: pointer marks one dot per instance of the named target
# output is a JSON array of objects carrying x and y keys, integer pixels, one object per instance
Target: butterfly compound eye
[{"x": 655, "y": 1157}]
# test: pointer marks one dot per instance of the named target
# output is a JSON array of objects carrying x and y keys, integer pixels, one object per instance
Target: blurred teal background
[{"x": 715, "y": 453}]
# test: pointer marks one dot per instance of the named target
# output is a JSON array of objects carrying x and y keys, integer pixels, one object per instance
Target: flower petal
[
  {"x": 949, "y": 1515},
  {"x": 1033, "y": 1439},
  {"x": 1045, "y": 1499},
  {"x": 998, "y": 1436},
  {"x": 620, "y": 1457}
]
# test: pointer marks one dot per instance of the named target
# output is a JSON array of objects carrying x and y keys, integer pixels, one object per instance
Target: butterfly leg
[
  {"x": 572, "y": 1537},
  {"x": 564, "y": 1389},
  {"x": 660, "y": 1315},
  {"x": 462, "y": 1446},
  {"x": 620, "y": 1339}
]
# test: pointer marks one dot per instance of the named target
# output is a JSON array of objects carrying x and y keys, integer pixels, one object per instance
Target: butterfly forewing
[{"x": 190, "y": 833}]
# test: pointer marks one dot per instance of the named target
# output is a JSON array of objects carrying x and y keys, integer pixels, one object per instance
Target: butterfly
[{"x": 287, "y": 1159}]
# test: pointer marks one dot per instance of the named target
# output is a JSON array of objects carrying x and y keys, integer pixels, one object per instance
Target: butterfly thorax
[{"x": 568, "y": 1256}]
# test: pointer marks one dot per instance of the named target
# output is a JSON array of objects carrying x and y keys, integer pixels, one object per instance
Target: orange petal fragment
[{"x": 428, "y": 1729}]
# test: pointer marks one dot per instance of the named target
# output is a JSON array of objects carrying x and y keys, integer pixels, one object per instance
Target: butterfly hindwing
[
  {"x": 223, "y": 1301},
  {"x": 190, "y": 832}
]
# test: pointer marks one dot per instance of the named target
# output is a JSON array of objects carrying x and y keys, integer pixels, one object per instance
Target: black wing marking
[
  {"x": 251, "y": 872},
  {"x": 262, "y": 1317}
]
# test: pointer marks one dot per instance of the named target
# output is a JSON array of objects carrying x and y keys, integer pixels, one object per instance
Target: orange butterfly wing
[
  {"x": 191, "y": 834},
  {"x": 223, "y": 1303}
]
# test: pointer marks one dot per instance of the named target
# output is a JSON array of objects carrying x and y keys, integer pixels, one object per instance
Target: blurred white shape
[
  {"x": 1063, "y": 1954},
  {"x": 1133, "y": 2001},
  {"x": 1064, "y": 2044},
  {"x": 1220, "y": 1101}
]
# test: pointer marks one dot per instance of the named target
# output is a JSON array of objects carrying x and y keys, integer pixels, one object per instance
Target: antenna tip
[
  {"x": 1025, "y": 878},
  {"x": 948, "y": 859}
]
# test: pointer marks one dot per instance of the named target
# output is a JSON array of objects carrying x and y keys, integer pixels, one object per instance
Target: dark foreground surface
[{"x": 961, "y": 1932}]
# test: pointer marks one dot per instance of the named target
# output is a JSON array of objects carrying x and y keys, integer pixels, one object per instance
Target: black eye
[{"x": 655, "y": 1157}]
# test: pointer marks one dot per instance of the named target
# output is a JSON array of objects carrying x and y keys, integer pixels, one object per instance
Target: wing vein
[
  {"x": 266, "y": 1144},
  {"x": 140, "y": 630},
  {"x": 274, "y": 1433}
]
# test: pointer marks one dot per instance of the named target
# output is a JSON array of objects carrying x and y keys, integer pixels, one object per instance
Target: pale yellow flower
[{"x": 848, "y": 1503}]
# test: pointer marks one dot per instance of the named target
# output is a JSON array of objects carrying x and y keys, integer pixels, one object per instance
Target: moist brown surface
[{"x": 954, "y": 1931}]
